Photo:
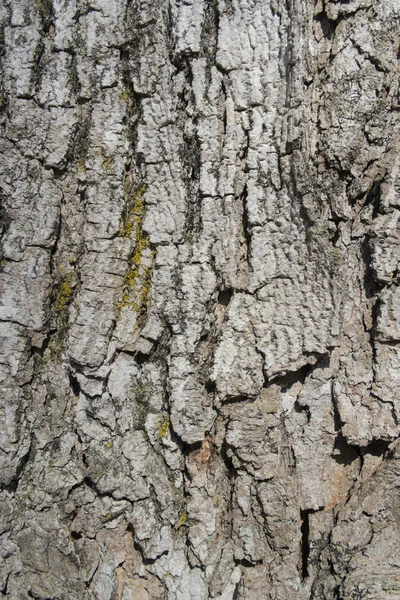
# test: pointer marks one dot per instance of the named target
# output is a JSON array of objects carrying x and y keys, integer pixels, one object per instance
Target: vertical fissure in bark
[{"x": 305, "y": 541}]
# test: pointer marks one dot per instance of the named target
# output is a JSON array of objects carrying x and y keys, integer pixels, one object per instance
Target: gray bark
[{"x": 200, "y": 311}]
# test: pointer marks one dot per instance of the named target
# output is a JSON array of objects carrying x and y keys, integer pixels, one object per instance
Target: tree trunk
[{"x": 200, "y": 308}]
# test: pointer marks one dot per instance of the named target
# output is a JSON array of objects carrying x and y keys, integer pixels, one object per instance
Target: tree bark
[{"x": 200, "y": 311}]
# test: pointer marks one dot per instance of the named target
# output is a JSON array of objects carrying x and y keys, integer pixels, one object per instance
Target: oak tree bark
[{"x": 200, "y": 311}]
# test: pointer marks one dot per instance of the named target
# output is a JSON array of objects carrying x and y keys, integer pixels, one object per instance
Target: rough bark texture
[{"x": 200, "y": 309}]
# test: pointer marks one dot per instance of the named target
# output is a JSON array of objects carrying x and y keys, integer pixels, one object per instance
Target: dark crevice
[
  {"x": 84, "y": 459},
  {"x": 236, "y": 592},
  {"x": 4, "y": 590},
  {"x": 12, "y": 486},
  {"x": 32, "y": 595},
  {"x": 224, "y": 297},
  {"x": 231, "y": 473},
  {"x": 147, "y": 561},
  {"x": 92, "y": 485},
  {"x": 41, "y": 347},
  {"x": 210, "y": 387},
  {"x": 344, "y": 453},
  {"x": 338, "y": 423},
  {"x": 225, "y": 120},
  {"x": 335, "y": 236},
  {"x": 71, "y": 490},
  {"x": 244, "y": 151},
  {"x": 245, "y": 222},
  {"x": 237, "y": 399},
  {"x": 231, "y": 470},
  {"x": 129, "y": 56},
  {"x": 394, "y": 417},
  {"x": 224, "y": 112},
  {"x": 376, "y": 448},
  {"x": 305, "y": 541},
  {"x": 140, "y": 358},
  {"x": 247, "y": 564},
  {"x": 79, "y": 146},
  {"x": 82, "y": 101},
  {"x": 74, "y": 383},
  {"x": 336, "y": 593},
  {"x": 190, "y": 156},
  {"x": 58, "y": 173},
  {"x": 209, "y": 35},
  {"x": 5, "y": 219},
  {"x": 184, "y": 447},
  {"x": 302, "y": 408},
  {"x": 371, "y": 286},
  {"x": 374, "y": 198},
  {"x": 328, "y": 25},
  {"x": 76, "y": 535},
  {"x": 374, "y": 319},
  {"x": 124, "y": 54},
  {"x": 288, "y": 379},
  {"x": 138, "y": 548}
]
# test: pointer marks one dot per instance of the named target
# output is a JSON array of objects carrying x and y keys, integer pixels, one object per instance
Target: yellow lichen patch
[
  {"x": 125, "y": 95},
  {"x": 164, "y": 428},
  {"x": 64, "y": 293},
  {"x": 107, "y": 163},
  {"x": 336, "y": 260},
  {"x": 55, "y": 347},
  {"x": 133, "y": 215},
  {"x": 137, "y": 280},
  {"x": 181, "y": 521}
]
